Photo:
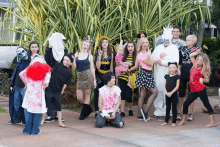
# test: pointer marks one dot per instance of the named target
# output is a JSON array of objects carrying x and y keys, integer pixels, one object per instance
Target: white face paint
[
  {"x": 167, "y": 36},
  {"x": 22, "y": 53}
]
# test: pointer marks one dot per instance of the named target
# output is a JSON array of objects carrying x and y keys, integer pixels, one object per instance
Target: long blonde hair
[
  {"x": 140, "y": 42},
  {"x": 206, "y": 64}
]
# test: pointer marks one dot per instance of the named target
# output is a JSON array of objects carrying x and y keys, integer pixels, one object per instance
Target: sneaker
[
  {"x": 56, "y": 118},
  {"x": 178, "y": 117},
  {"x": 140, "y": 118},
  {"x": 190, "y": 117},
  {"x": 130, "y": 112},
  {"x": 153, "y": 117},
  {"x": 162, "y": 118},
  {"x": 49, "y": 119},
  {"x": 122, "y": 114},
  {"x": 144, "y": 115},
  {"x": 9, "y": 123}
]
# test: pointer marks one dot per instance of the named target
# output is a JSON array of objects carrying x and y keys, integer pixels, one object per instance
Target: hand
[
  {"x": 77, "y": 54},
  {"x": 201, "y": 81},
  {"x": 45, "y": 86},
  {"x": 113, "y": 116},
  {"x": 100, "y": 52},
  {"x": 12, "y": 89},
  {"x": 95, "y": 84},
  {"x": 108, "y": 117},
  {"x": 169, "y": 94},
  {"x": 163, "y": 55},
  {"x": 149, "y": 52},
  {"x": 159, "y": 62},
  {"x": 62, "y": 92},
  {"x": 73, "y": 57},
  {"x": 199, "y": 51},
  {"x": 25, "y": 87}
]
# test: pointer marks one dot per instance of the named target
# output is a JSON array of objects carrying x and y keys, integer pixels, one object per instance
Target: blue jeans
[
  {"x": 33, "y": 121},
  {"x": 18, "y": 99}
]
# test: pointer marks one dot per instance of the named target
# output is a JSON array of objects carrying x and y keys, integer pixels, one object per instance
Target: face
[
  {"x": 130, "y": 48},
  {"x": 145, "y": 45},
  {"x": 120, "y": 51},
  {"x": 172, "y": 69},
  {"x": 189, "y": 42},
  {"x": 22, "y": 54},
  {"x": 104, "y": 44},
  {"x": 112, "y": 82},
  {"x": 66, "y": 61},
  {"x": 176, "y": 33},
  {"x": 199, "y": 61},
  {"x": 34, "y": 49},
  {"x": 86, "y": 45}
]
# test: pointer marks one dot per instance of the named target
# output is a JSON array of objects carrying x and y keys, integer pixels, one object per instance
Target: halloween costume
[
  {"x": 178, "y": 42},
  {"x": 172, "y": 55},
  {"x": 17, "y": 91}
]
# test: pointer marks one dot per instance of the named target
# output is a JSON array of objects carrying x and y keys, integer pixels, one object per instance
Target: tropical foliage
[{"x": 117, "y": 19}]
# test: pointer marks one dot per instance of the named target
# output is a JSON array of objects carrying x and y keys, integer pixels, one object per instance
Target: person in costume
[
  {"x": 145, "y": 79},
  {"x": 185, "y": 67},
  {"x": 109, "y": 102},
  {"x": 163, "y": 54},
  {"x": 54, "y": 54},
  {"x": 86, "y": 80},
  {"x": 199, "y": 75},
  {"x": 36, "y": 78},
  {"x": 61, "y": 76},
  {"x": 171, "y": 85},
  {"x": 17, "y": 91},
  {"x": 104, "y": 62},
  {"x": 176, "y": 32}
]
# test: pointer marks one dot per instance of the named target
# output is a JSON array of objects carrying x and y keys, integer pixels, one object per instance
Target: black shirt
[
  {"x": 60, "y": 75},
  {"x": 171, "y": 82}
]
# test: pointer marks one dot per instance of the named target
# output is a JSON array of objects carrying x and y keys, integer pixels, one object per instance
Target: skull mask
[{"x": 22, "y": 53}]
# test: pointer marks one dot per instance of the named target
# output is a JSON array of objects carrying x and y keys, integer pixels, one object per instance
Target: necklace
[{"x": 191, "y": 76}]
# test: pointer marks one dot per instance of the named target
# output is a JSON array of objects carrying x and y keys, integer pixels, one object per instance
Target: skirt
[
  {"x": 145, "y": 79},
  {"x": 85, "y": 80}
]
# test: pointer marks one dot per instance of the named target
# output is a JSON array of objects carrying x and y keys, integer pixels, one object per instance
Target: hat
[
  {"x": 172, "y": 63},
  {"x": 104, "y": 37},
  {"x": 70, "y": 56},
  {"x": 141, "y": 35}
]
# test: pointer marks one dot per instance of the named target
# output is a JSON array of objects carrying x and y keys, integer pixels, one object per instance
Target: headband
[
  {"x": 104, "y": 37},
  {"x": 141, "y": 35},
  {"x": 172, "y": 63}
]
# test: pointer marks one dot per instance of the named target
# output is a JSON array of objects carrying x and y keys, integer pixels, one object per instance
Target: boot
[
  {"x": 88, "y": 110},
  {"x": 82, "y": 114}
]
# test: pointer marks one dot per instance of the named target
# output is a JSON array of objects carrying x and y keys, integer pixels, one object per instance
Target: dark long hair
[
  {"x": 126, "y": 53},
  {"x": 109, "y": 48},
  {"x": 33, "y": 42}
]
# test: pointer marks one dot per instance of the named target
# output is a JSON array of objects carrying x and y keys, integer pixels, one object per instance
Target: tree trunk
[{"x": 201, "y": 34}]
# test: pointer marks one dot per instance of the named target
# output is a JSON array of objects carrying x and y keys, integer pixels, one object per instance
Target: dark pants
[
  {"x": 194, "y": 95},
  {"x": 101, "y": 121},
  {"x": 126, "y": 91},
  {"x": 51, "y": 113},
  {"x": 96, "y": 96},
  {"x": 171, "y": 101}
]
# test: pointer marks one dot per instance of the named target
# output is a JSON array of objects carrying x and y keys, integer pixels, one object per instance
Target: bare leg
[
  {"x": 180, "y": 104},
  {"x": 129, "y": 82},
  {"x": 151, "y": 99},
  {"x": 141, "y": 100},
  {"x": 129, "y": 106},
  {"x": 183, "y": 120},
  {"x": 79, "y": 94},
  {"x": 212, "y": 122},
  {"x": 43, "y": 119},
  {"x": 87, "y": 96},
  {"x": 59, "y": 114},
  {"x": 122, "y": 105}
]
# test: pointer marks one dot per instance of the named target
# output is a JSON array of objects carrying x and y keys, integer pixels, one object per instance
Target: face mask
[{"x": 22, "y": 53}]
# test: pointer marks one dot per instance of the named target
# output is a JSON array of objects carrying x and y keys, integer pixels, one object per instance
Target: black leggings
[
  {"x": 204, "y": 98},
  {"x": 173, "y": 99},
  {"x": 96, "y": 96},
  {"x": 126, "y": 91}
]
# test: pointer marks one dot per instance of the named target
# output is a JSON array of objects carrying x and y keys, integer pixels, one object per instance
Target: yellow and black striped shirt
[{"x": 125, "y": 76}]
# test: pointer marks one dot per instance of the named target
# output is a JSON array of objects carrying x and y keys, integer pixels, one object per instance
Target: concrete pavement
[{"x": 135, "y": 132}]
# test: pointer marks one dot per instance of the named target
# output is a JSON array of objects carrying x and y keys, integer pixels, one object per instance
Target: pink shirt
[
  {"x": 118, "y": 58},
  {"x": 141, "y": 57}
]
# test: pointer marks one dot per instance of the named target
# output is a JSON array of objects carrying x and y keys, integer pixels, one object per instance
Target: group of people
[{"x": 37, "y": 84}]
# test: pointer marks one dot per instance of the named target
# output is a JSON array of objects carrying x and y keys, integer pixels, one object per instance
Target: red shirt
[{"x": 194, "y": 84}]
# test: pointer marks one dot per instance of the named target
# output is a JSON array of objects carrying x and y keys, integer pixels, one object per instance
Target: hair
[
  {"x": 126, "y": 53},
  {"x": 177, "y": 71},
  {"x": 109, "y": 48},
  {"x": 140, "y": 42},
  {"x": 206, "y": 69},
  {"x": 193, "y": 38},
  {"x": 107, "y": 77},
  {"x": 33, "y": 42},
  {"x": 177, "y": 27}
]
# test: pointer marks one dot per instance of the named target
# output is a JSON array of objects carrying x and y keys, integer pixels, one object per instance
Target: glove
[
  {"x": 104, "y": 113},
  {"x": 12, "y": 89}
]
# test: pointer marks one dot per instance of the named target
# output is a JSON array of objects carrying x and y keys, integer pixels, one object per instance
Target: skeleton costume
[
  {"x": 17, "y": 91},
  {"x": 172, "y": 55}
]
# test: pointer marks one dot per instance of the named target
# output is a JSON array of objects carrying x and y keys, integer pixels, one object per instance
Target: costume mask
[
  {"x": 22, "y": 53},
  {"x": 167, "y": 36}
]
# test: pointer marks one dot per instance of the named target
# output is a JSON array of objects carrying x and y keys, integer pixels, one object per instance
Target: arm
[
  {"x": 149, "y": 61},
  {"x": 98, "y": 58},
  {"x": 193, "y": 55},
  {"x": 100, "y": 102},
  {"x": 64, "y": 87},
  {"x": 164, "y": 86},
  {"x": 118, "y": 104},
  {"x": 92, "y": 68},
  {"x": 205, "y": 79},
  {"x": 112, "y": 63},
  {"x": 135, "y": 66}
]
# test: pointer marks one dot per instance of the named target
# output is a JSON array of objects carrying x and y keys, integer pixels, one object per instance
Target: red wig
[{"x": 37, "y": 71}]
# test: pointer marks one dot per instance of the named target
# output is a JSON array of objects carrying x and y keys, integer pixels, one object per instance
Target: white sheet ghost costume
[{"x": 172, "y": 56}]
